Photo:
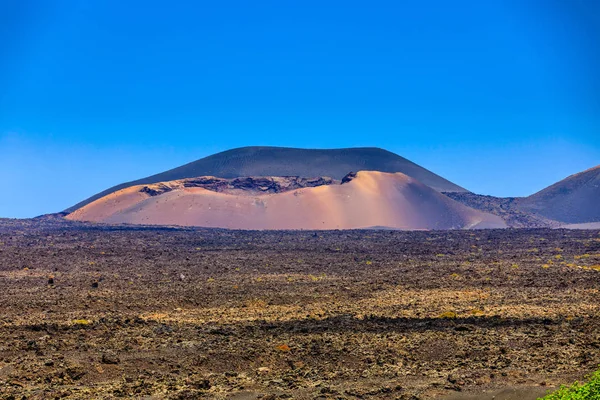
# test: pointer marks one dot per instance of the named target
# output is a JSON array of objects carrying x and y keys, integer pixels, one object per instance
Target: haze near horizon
[{"x": 498, "y": 97}]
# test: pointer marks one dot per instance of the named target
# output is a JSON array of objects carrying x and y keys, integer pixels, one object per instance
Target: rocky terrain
[
  {"x": 97, "y": 312},
  {"x": 250, "y": 184}
]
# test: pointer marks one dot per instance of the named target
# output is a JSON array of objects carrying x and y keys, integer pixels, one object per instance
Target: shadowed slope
[
  {"x": 370, "y": 199},
  {"x": 281, "y": 161},
  {"x": 575, "y": 199}
]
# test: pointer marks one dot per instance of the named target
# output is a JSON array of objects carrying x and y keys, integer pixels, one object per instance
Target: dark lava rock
[
  {"x": 110, "y": 358},
  {"x": 349, "y": 177}
]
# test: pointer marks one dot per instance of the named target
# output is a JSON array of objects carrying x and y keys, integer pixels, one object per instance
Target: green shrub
[{"x": 578, "y": 391}]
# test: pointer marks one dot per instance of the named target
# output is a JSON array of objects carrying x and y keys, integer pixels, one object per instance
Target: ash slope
[
  {"x": 371, "y": 198},
  {"x": 282, "y": 161},
  {"x": 573, "y": 200}
]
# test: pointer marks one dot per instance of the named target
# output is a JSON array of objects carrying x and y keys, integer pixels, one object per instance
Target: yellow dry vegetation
[
  {"x": 284, "y": 348},
  {"x": 81, "y": 322},
  {"x": 395, "y": 302},
  {"x": 256, "y": 304}
]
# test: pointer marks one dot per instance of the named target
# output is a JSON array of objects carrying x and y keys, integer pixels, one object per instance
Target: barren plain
[{"x": 92, "y": 311}]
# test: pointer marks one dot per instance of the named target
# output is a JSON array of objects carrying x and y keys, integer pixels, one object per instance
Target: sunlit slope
[
  {"x": 371, "y": 199},
  {"x": 282, "y": 161}
]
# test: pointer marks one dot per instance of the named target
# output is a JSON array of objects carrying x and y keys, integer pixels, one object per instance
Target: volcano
[
  {"x": 366, "y": 199},
  {"x": 283, "y": 161}
]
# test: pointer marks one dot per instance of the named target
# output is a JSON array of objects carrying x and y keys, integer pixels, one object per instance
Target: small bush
[
  {"x": 578, "y": 391},
  {"x": 82, "y": 322},
  {"x": 448, "y": 315},
  {"x": 284, "y": 348}
]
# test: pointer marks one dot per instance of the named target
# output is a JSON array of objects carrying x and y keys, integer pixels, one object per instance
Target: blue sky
[{"x": 501, "y": 97}]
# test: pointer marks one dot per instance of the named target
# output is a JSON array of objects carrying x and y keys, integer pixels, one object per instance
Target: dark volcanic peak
[
  {"x": 575, "y": 199},
  {"x": 283, "y": 161}
]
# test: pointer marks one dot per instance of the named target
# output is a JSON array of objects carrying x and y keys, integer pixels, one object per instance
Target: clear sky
[{"x": 500, "y": 97}]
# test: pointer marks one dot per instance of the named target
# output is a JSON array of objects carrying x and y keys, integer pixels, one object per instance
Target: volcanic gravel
[{"x": 91, "y": 311}]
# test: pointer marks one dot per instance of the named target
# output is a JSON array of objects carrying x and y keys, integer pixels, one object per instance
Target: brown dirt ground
[{"x": 196, "y": 313}]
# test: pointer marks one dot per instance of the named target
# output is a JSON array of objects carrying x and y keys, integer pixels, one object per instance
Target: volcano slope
[
  {"x": 100, "y": 312},
  {"x": 283, "y": 161},
  {"x": 573, "y": 203},
  {"x": 363, "y": 200},
  {"x": 573, "y": 200}
]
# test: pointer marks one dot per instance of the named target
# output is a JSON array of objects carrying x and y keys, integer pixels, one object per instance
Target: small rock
[
  {"x": 110, "y": 358},
  {"x": 264, "y": 370},
  {"x": 463, "y": 328},
  {"x": 163, "y": 329},
  {"x": 202, "y": 384}
]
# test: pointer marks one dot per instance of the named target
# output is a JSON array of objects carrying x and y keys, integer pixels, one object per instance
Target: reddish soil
[{"x": 106, "y": 312}]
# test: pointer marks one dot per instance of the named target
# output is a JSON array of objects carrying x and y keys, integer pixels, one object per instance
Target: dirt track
[{"x": 349, "y": 314}]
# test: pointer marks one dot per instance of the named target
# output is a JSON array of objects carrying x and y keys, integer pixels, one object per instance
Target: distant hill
[
  {"x": 362, "y": 200},
  {"x": 573, "y": 203},
  {"x": 573, "y": 200},
  {"x": 508, "y": 208},
  {"x": 282, "y": 161}
]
